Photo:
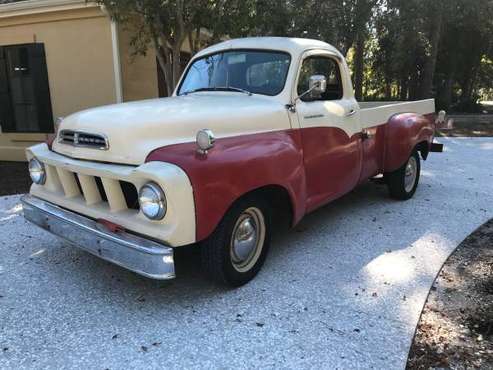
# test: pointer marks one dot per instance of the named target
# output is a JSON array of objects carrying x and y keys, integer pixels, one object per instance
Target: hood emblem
[{"x": 83, "y": 139}]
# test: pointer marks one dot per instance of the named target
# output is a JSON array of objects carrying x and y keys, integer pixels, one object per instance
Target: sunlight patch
[
  {"x": 392, "y": 267},
  {"x": 400, "y": 266},
  {"x": 7, "y": 218},
  {"x": 38, "y": 253},
  {"x": 426, "y": 173},
  {"x": 486, "y": 146}
]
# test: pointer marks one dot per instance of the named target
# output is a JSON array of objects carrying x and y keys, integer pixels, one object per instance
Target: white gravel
[{"x": 345, "y": 289}]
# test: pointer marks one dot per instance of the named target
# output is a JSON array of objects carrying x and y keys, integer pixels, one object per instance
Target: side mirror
[{"x": 317, "y": 84}]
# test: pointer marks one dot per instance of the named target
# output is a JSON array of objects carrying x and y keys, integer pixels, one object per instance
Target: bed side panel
[{"x": 374, "y": 114}]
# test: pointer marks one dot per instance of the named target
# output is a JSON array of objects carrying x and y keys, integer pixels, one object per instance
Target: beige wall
[
  {"x": 79, "y": 59},
  {"x": 139, "y": 73}
]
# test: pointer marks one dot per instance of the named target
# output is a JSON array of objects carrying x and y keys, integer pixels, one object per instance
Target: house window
[{"x": 25, "y": 103}]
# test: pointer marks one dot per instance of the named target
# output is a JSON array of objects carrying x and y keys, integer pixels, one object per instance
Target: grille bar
[
  {"x": 68, "y": 182},
  {"x": 89, "y": 189},
  {"x": 114, "y": 193}
]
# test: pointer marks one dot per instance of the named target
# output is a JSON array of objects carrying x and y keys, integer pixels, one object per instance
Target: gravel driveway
[{"x": 345, "y": 289}]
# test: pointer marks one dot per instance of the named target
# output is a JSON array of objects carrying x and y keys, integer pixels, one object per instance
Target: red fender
[
  {"x": 404, "y": 132},
  {"x": 236, "y": 166}
]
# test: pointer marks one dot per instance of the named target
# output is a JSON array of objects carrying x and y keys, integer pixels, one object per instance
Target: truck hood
[{"x": 135, "y": 129}]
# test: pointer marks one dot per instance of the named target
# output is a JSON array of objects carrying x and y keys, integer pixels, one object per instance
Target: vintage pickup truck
[{"x": 257, "y": 128}]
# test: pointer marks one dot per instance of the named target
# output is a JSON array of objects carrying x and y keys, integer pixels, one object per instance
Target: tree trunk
[
  {"x": 414, "y": 84},
  {"x": 164, "y": 63},
  {"x": 404, "y": 88},
  {"x": 468, "y": 87},
  {"x": 359, "y": 57},
  {"x": 388, "y": 90},
  {"x": 469, "y": 79},
  {"x": 447, "y": 93},
  {"x": 176, "y": 63},
  {"x": 430, "y": 64},
  {"x": 194, "y": 40}
]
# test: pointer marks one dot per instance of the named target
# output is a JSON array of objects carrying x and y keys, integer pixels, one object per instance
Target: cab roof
[{"x": 293, "y": 46}]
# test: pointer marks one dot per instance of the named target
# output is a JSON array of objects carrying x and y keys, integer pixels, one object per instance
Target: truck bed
[{"x": 378, "y": 113}]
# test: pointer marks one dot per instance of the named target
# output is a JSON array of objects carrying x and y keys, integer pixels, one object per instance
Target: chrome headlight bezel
[
  {"x": 37, "y": 171},
  {"x": 152, "y": 201},
  {"x": 205, "y": 140}
]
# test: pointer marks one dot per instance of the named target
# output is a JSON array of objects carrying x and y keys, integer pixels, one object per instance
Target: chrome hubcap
[
  {"x": 411, "y": 174},
  {"x": 247, "y": 239}
]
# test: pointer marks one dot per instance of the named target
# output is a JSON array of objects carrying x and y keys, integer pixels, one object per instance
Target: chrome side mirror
[{"x": 317, "y": 85}]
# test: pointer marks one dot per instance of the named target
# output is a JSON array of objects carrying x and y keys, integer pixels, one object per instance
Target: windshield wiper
[{"x": 218, "y": 88}]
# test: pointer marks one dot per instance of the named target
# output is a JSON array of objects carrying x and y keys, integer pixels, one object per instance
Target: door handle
[{"x": 351, "y": 113}]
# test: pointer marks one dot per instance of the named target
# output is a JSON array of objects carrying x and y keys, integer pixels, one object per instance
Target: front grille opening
[
  {"x": 78, "y": 183},
  {"x": 131, "y": 195},
  {"x": 100, "y": 186}
]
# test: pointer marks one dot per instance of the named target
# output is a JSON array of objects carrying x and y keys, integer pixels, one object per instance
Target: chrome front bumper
[{"x": 134, "y": 253}]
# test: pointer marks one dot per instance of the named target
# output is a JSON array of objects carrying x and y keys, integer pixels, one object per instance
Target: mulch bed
[
  {"x": 14, "y": 178},
  {"x": 456, "y": 326}
]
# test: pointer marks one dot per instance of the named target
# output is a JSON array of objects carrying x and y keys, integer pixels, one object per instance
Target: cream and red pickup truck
[{"x": 257, "y": 128}]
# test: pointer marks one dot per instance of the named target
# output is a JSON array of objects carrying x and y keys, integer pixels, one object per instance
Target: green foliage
[
  {"x": 397, "y": 49},
  {"x": 405, "y": 32}
]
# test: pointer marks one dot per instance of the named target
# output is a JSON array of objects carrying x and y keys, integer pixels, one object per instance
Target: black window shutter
[
  {"x": 41, "y": 87},
  {"x": 6, "y": 113}
]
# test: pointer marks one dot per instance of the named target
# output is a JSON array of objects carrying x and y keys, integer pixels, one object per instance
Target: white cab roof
[{"x": 294, "y": 46}]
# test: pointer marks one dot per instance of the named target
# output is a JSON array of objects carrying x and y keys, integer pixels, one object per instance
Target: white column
[{"x": 116, "y": 62}]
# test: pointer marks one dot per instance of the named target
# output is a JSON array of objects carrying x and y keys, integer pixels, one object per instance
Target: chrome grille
[{"x": 83, "y": 139}]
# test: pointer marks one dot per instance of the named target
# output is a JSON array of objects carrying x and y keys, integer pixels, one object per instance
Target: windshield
[{"x": 251, "y": 71}]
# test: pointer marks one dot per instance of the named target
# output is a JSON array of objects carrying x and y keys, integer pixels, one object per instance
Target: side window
[{"x": 327, "y": 67}]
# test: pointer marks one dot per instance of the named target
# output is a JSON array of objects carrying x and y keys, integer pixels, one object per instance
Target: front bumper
[{"x": 134, "y": 253}]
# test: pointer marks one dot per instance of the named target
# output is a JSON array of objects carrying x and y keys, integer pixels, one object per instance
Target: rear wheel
[
  {"x": 403, "y": 182},
  {"x": 237, "y": 249}
]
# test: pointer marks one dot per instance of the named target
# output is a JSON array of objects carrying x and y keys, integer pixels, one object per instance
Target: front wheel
[
  {"x": 403, "y": 182},
  {"x": 237, "y": 249}
]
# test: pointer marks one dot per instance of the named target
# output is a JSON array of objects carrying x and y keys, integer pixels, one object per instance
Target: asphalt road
[{"x": 345, "y": 289}]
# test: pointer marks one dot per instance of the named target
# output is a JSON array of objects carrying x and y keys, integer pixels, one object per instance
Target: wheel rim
[
  {"x": 247, "y": 239},
  {"x": 410, "y": 174}
]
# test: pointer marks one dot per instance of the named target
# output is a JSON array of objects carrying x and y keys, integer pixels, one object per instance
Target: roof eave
[{"x": 40, "y": 6}]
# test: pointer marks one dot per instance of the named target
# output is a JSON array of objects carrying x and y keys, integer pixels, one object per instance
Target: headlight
[
  {"x": 152, "y": 201},
  {"x": 37, "y": 171},
  {"x": 205, "y": 140}
]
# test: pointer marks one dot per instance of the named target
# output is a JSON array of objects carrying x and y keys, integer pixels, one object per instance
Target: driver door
[{"x": 330, "y": 129}]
